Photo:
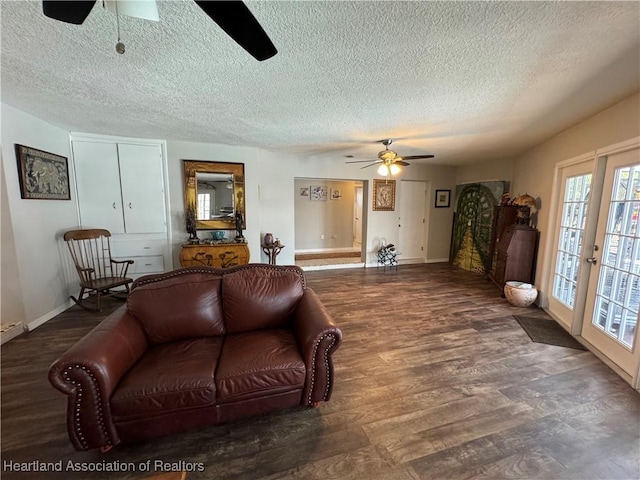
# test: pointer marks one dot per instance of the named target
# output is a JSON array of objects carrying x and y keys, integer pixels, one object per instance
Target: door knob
[{"x": 592, "y": 260}]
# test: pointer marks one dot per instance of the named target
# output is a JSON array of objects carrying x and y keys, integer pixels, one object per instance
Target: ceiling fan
[
  {"x": 389, "y": 160},
  {"x": 234, "y": 17}
]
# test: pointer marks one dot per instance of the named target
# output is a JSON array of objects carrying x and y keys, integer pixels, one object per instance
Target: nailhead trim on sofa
[
  {"x": 326, "y": 364},
  {"x": 76, "y": 417}
]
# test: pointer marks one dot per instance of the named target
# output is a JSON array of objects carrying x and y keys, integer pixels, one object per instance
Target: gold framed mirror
[{"x": 214, "y": 191}]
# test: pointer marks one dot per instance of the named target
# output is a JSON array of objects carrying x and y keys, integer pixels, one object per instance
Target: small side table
[
  {"x": 271, "y": 251},
  {"x": 387, "y": 257}
]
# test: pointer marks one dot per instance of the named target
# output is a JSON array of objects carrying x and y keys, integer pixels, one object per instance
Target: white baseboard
[
  {"x": 332, "y": 267},
  {"x": 11, "y": 333},
  {"x": 437, "y": 260},
  {"x": 327, "y": 250},
  {"x": 410, "y": 261},
  {"x": 48, "y": 316}
]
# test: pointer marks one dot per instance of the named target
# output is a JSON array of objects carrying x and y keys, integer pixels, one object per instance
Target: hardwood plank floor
[{"x": 434, "y": 380}]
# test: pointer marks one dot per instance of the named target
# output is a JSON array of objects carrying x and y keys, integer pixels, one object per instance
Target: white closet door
[
  {"x": 412, "y": 235},
  {"x": 98, "y": 183},
  {"x": 142, "y": 183}
]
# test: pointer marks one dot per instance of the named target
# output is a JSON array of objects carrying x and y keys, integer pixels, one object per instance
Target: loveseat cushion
[
  {"x": 260, "y": 298},
  {"x": 259, "y": 363},
  {"x": 169, "y": 377},
  {"x": 185, "y": 306}
]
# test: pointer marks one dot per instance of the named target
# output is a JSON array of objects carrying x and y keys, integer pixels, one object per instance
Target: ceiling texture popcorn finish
[{"x": 466, "y": 81}]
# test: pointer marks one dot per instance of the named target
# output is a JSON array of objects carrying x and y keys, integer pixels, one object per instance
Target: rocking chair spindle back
[{"x": 91, "y": 253}]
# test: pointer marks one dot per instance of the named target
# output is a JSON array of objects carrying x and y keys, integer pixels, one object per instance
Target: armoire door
[
  {"x": 98, "y": 184},
  {"x": 141, "y": 178}
]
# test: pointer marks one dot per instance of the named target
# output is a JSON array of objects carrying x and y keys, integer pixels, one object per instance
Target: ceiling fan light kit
[
  {"x": 144, "y": 9},
  {"x": 389, "y": 160}
]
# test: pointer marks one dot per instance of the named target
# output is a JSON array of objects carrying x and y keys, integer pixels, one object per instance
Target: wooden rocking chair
[{"x": 98, "y": 272}]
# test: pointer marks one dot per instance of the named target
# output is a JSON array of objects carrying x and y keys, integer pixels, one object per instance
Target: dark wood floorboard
[{"x": 434, "y": 380}]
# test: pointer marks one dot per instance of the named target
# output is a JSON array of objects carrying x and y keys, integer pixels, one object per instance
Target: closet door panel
[
  {"x": 142, "y": 183},
  {"x": 98, "y": 184}
]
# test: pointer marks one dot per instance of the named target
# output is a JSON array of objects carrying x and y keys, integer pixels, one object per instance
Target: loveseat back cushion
[
  {"x": 259, "y": 363},
  {"x": 259, "y": 298},
  {"x": 185, "y": 306}
]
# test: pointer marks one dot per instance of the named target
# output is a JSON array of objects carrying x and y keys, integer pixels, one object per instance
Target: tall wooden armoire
[{"x": 515, "y": 255}]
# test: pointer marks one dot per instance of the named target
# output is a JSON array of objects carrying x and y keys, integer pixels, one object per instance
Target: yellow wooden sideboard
[{"x": 220, "y": 255}]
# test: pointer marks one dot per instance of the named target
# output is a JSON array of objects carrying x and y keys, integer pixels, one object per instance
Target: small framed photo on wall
[
  {"x": 304, "y": 191},
  {"x": 443, "y": 198}
]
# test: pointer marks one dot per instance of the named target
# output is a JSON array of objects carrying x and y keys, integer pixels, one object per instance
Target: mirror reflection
[{"x": 214, "y": 196}]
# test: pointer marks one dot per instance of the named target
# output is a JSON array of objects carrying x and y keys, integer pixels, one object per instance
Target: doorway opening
[{"x": 329, "y": 223}]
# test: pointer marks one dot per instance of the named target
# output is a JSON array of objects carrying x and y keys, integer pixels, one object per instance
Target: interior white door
[
  {"x": 357, "y": 216},
  {"x": 576, "y": 189},
  {"x": 98, "y": 184},
  {"x": 413, "y": 202},
  {"x": 142, "y": 183},
  {"x": 611, "y": 315}
]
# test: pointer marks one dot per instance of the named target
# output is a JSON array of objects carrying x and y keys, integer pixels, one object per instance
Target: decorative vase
[
  {"x": 217, "y": 235},
  {"x": 268, "y": 239},
  {"x": 520, "y": 294}
]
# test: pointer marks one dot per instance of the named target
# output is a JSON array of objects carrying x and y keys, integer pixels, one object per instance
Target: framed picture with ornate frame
[
  {"x": 384, "y": 195},
  {"x": 42, "y": 175}
]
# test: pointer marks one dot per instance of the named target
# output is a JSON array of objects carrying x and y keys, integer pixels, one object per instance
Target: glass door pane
[
  {"x": 570, "y": 238},
  {"x": 618, "y": 293}
]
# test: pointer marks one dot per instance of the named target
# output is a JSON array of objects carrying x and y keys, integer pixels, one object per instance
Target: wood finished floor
[{"x": 434, "y": 380}]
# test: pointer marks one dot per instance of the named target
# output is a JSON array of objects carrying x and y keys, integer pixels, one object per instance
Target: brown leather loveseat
[{"x": 198, "y": 346}]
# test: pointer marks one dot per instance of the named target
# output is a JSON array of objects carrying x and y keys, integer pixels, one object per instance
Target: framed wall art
[
  {"x": 304, "y": 191},
  {"x": 443, "y": 198},
  {"x": 42, "y": 175},
  {"x": 318, "y": 193},
  {"x": 384, "y": 195},
  {"x": 336, "y": 194}
]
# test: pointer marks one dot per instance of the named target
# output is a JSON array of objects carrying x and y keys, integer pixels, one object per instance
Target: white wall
[
  {"x": 45, "y": 274},
  {"x": 486, "y": 172},
  {"x": 12, "y": 305}
]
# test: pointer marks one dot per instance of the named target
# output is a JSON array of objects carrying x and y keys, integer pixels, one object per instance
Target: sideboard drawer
[{"x": 221, "y": 255}]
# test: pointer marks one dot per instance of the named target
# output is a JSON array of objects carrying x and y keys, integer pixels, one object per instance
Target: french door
[
  {"x": 613, "y": 296},
  {"x": 575, "y": 191}
]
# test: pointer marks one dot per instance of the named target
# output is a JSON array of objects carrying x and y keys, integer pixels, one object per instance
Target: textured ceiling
[{"x": 466, "y": 81}]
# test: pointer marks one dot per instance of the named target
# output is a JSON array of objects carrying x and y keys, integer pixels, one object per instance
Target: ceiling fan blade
[
  {"x": 69, "y": 12},
  {"x": 370, "y": 165},
  {"x": 400, "y": 162},
  {"x": 239, "y": 23},
  {"x": 358, "y": 161},
  {"x": 416, "y": 157}
]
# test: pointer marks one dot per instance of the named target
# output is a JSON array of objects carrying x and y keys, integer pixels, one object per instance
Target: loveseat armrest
[
  {"x": 318, "y": 337},
  {"x": 90, "y": 371}
]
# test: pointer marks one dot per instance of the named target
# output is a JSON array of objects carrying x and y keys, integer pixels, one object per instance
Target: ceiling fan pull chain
[{"x": 119, "y": 45}]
